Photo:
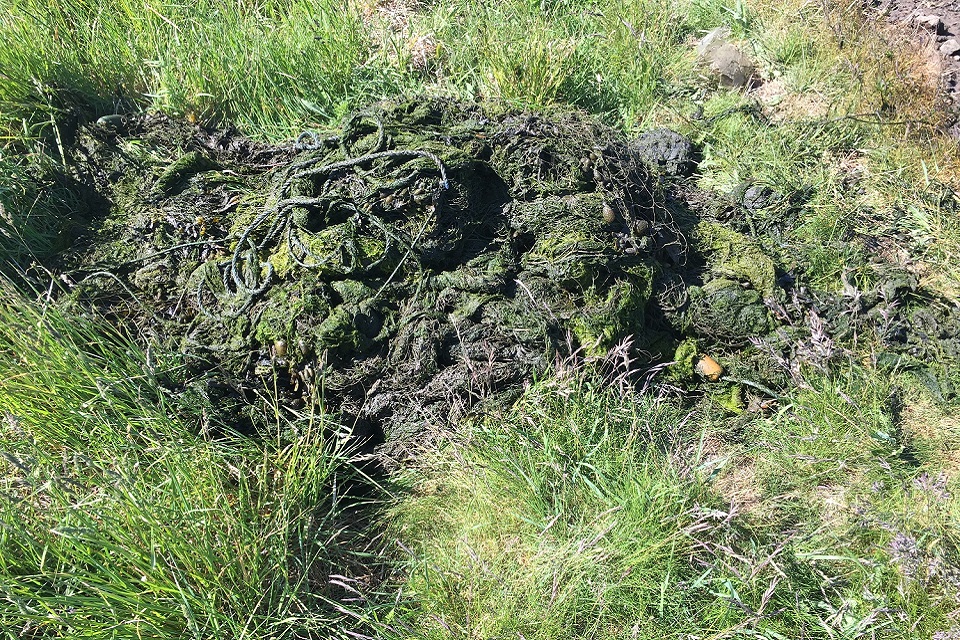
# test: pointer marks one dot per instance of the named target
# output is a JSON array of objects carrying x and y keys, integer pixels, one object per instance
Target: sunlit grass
[
  {"x": 119, "y": 520},
  {"x": 576, "y": 512},
  {"x": 580, "y": 512}
]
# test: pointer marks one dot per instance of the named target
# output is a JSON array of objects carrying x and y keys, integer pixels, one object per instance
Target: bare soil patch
[{"x": 935, "y": 25}]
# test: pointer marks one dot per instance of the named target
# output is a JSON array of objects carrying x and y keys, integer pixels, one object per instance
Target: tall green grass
[
  {"x": 118, "y": 520},
  {"x": 555, "y": 520},
  {"x": 262, "y": 64},
  {"x": 275, "y": 66},
  {"x": 41, "y": 211},
  {"x": 619, "y": 58},
  {"x": 581, "y": 512}
]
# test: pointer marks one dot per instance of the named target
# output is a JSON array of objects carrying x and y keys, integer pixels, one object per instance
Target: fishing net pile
[{"x": 426, "y": 256}]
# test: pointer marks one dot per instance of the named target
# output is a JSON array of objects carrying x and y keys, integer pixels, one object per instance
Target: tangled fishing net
[{"x": 425, "y": 257}]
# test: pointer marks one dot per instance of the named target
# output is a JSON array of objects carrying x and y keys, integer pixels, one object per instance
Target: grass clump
[
  {"x": 119, "y": 520},
  {"x": 583, "y": 512},
  {"x": 39, "y": 212},
  {"x": 555, "y": 519},
  {"x": 605, "y": 57},
  {"x": 264, "y": 65}
]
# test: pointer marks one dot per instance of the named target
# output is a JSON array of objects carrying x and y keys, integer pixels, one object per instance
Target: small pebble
[
  {"x": 112, "y": 120},
  {"x": 950, "y": 47},
  {"x": 609, "y": 215}
]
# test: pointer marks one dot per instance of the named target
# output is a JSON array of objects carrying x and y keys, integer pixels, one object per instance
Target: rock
[
  {"x": 950, "y": 47},
  {"x": 113, "y": 120},
  {"x": 712, "y": 40},
  {"x": 931, "y": 22},
  {"x": 732, "y": 67},
  {"x": 666, "y": 151},
  {"x": 757, "y": 197}
]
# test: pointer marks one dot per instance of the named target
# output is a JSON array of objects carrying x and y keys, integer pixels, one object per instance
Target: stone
[
  {"x": 712, "y": 40},
  {"x": 666, "y": 151},
  {"x": 758, "y": 197},
  {"x": 950, "y": 47},
  {"x": 931, "y": 22},
  {"x": 732, "y": 67}
]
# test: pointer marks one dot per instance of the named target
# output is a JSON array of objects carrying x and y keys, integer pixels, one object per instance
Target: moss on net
[{"x": 427, "y": 255}]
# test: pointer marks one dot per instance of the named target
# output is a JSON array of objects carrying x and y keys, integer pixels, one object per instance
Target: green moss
[
  {"x": 247, "y": 210},
  {"x": 683, "y": 361},
  {"x": 734, "y": 256},
  {"x": 730, "y": 399},
  {"x": 151, "y": 279},
  {"x": 609, "y": 317},
  {"x": 286, "y": 305},
  {"x": 484, "y": 274},
  {"x": 469, "y": 305},
  {"x": 338, "y": 331},
  {"x": 728, "y": 311},
  {"x": 571, "y": 245},
  {"x": 178, "y": 171},
  {"x": 569, "y": 257},
  {"x": 281, "y": 261},
  {"x": 336, "y": 252},
  {"x": 352, "y": 291}
]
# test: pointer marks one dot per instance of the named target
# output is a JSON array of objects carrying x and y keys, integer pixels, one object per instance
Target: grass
[
  {"x": 261, "y": 64},
  {"x": 577, "y": 511},
  {"x": 41, "y": 211},
  {"x": 553, "y": 520},
  {"x": 119, "y": 520},
  {"x": 581, "y": 512}
]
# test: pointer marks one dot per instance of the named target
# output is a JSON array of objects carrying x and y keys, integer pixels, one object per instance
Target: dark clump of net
[{"x": 425, "y": 257}]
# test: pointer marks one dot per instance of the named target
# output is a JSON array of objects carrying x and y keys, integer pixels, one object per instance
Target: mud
[{"x": 430, "y": 256}]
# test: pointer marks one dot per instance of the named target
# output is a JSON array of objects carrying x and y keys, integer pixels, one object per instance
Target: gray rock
[
  {"x": 931, "y": 22},
  {"x": 950, "y": 47},
  {"x": 731, "y": 66},
  {"x": 759, "y": 197},
  {"x": 666, "y": 151},
  {"x": 714, "y": 39}
]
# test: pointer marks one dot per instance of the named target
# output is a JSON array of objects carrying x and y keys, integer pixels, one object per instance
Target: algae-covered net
[{"x": 423, "y": 257}]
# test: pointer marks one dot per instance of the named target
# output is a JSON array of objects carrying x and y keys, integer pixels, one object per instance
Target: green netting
[{"x": 424, "y": 257}]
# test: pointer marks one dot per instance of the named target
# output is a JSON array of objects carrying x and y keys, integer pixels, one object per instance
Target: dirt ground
[{"x": 936, "y": 24}]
